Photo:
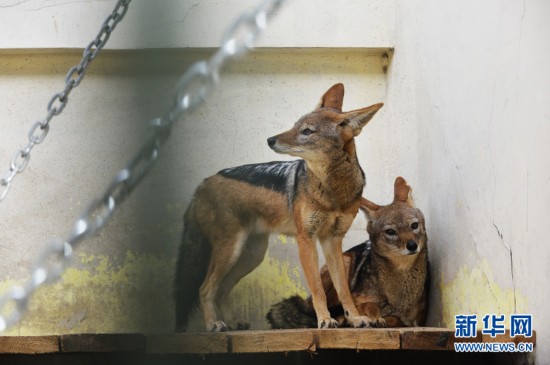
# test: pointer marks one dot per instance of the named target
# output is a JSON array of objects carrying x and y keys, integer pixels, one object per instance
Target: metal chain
[
  {"x": 192, "y": 89},
  {"x": 57, "y": 103}
]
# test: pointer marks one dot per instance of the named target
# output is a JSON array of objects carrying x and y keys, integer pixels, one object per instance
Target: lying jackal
[{"x": 389, "y": 275}]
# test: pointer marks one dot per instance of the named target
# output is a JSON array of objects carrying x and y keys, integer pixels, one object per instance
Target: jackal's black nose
[
  {"x": 412, "y": 246},
  {"x": 271, "y": 141}
]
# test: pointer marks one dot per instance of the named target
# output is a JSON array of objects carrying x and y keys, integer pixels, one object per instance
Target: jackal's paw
[
  {"x": 359, "y": 322},
  {"x": 216, "y": 326},
  {"x": 378, "y": 323},
  {"x": 238, "y": 325},
  {"x": 328, "y": 323}
]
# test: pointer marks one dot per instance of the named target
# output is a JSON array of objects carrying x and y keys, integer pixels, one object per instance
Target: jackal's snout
[
  {"x": 272, "y": 143},
  {"x": 284, "y": 144},
  {"x": 412, "y": 247}
]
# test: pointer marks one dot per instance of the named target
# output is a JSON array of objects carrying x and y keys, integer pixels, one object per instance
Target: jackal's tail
[
  {"x": 293, "y": 312},
  {"x": 193, "y": 257}
]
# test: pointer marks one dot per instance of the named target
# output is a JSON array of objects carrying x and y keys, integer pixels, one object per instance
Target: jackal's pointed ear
[
  {"x": 333, "y": 98},
  {"x": 369, "y": 208},
  {"x": 402, "y": 191},
  {"x": 357, "y": 119}
]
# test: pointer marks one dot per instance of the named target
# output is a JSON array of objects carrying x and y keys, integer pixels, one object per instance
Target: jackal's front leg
[
  {"x": 332, "y": 248},
  {"x": 310, "y": 265}
]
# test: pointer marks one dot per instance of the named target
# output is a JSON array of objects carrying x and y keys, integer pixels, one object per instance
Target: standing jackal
[{"x": 228, "y": 222}]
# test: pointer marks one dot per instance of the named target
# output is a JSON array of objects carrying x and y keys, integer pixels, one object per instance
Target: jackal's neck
[{"x": 338, "y": 179}]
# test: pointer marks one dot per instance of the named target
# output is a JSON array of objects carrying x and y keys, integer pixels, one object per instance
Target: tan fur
[
  {"x": 393, "y": 289},
  {"x": 327, "y": 199}
]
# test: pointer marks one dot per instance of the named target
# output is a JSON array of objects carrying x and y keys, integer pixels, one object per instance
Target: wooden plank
[
  {"x": 443, "y": 339},
  {"x": 29, "y": 344},
  {"x": 125, "y": 342},
  {"x": 427, "y": 338},
  {"x": 251, "y": 341},
  {"x": 359, "y": 338},
  {"x": 272, "y": 341},
  {"x": 187, "y": 343},
  {"x": 504, "y": 338}
]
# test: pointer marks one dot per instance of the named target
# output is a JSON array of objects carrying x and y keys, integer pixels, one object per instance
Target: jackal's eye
[
  {"x": 414, "y": 225},
  {"x": 307, "y": 132},
  {"x": 343, "y": 124},
  {"x": 390, "y": 232}
]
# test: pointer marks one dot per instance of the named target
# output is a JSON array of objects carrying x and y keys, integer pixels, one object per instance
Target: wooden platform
[{"x": 243, "y": 342}]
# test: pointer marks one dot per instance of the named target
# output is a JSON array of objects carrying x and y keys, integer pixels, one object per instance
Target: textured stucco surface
[
  {"x": 472, "y": 78},
  {"x": 466, "y": 122},
  {"x": 193, "y": 23},
  {"x": 121, "y": 280}
]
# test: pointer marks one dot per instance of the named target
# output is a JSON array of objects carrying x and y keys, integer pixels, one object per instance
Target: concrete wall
[
  {"x": 121, "y": 280},
  {"x": 466, "y": 122},
  {"x": 472, "y": 78},
  {"x": 183, "y": 23}
]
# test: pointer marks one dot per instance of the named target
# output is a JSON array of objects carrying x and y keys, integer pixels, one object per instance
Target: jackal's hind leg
[
  {"x": 225, "y": 254},
  {"x": 252, "y": 255}
]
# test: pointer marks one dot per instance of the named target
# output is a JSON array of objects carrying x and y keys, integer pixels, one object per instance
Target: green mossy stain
[
  {"x": 272, "y": 281},
  {"x": 103, "y": 298},
  {"x": 475, "y": 291},
  {"x": 136, "y": 296}
]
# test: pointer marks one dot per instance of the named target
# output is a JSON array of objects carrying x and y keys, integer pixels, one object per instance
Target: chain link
[
  {"x": 191, "y": 91},
  {"x": 58, "y": 102}
]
